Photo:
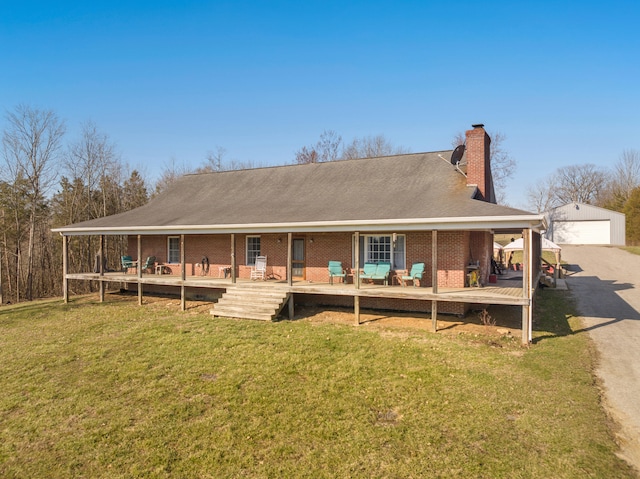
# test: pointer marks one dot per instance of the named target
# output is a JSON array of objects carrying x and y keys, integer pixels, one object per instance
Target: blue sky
[{"x": 262, "y": 78}]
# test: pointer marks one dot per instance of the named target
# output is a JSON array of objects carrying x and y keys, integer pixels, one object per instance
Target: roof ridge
[{"x": 202, "y": 173}]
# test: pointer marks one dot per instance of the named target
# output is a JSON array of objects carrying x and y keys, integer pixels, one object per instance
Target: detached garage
[{"x": 577, "y": 223}]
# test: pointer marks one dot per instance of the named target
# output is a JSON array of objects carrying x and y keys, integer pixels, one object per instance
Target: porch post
[
  {"x": 434, "y": 264},
  {"x": 291, "y": 306},
  {"x": 1, "y": 288},
  {"x": 526, "y": 283},
  {"x": 183, "y": 275},
  {"x": 356, "y": 276},
  {"x": 434, "y": 315},
  {"x": 289, "y": 262},
  {"x": 65, "y": 268},
  {"x": 101, "y": 268},
  {"x": 532, "y": 287},
  {"x": 139, "y": 270},
  {"x": 233, "y": 258}
]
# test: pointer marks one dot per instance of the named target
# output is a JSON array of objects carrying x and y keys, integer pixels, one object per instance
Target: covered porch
[{"x": 433, "y": 293}]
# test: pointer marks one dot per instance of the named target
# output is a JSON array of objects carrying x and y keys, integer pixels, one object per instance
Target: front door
[{"x": 297, "y": 258}]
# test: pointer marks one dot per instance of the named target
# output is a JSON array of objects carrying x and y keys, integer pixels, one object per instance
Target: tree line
[{"x": 44, "y": 183}]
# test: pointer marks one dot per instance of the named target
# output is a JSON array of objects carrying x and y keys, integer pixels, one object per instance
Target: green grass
[
  {"x": 632, "y": 249},
  {"x": 116, "y": 390}
]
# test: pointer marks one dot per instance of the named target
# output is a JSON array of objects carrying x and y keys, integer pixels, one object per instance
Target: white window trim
[
  {"x": 246, "y": 249},
  {"x": 355, "y": 249},
  {"x": 169, "y": 238}
]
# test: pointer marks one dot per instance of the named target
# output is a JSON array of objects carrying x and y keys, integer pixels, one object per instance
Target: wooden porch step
[
  {"x": 250, "y": 304},
  {"x": 254, "y": 294}
]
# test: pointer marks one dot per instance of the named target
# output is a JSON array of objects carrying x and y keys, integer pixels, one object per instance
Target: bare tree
[
  {"x": 541, "y": 197},
  {"x": 625, "y": 177},
  {"x": 234, "y": 164},
  {"x": 307, "y": 155},
  {"x": 93, "y": 160},
  {"x": 569, "y": 184},
  {"x": 579, "y": 184},
  {"x": 326, "y": 149},
  {"x": 330, "y": 148},
  {"x": 214, "y": 160},
  {"x": 97, "y": 174},
  {"x": 31, "y": 146},
  {"x": 371, "y": 147},
  {"x": 172, "y": 171}
]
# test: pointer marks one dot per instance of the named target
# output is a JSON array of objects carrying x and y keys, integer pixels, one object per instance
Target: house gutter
[{"x": 534, "y": 222}]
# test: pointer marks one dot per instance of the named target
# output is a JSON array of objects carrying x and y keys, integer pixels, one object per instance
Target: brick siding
[{"x": 455, "y": 250}]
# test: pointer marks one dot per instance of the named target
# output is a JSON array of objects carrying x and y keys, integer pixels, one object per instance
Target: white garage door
[{"x": 582, "y": 232}]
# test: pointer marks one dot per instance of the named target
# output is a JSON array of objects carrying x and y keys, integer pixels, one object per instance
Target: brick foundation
[{"x": 388, "y": 304}]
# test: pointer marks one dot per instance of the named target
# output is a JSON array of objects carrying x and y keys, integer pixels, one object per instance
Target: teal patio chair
[
  {"x": 336, "y": 271},
  {"x": 415, "y": 275}
]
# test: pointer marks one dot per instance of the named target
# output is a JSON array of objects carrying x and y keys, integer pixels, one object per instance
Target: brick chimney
[{"x": 478, "y": 152}]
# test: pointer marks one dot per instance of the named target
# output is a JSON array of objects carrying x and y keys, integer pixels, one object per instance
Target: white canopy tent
[{"x": 547, "y": 245}]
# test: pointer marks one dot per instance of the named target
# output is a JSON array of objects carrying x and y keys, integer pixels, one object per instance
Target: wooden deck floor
[{"x": 508, "y": 290}]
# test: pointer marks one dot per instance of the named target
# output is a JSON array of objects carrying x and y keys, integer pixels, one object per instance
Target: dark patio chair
[
  {"x": 128, "y": 262},
  {"x": 149, "y": 264}
]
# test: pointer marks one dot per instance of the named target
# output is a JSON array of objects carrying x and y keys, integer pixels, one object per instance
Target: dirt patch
[{"x": 507, "y": 320}]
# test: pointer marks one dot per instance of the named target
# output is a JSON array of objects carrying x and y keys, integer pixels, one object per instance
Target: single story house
[
  {"x": 578, "y": 223},
  {"x": 436, "y": 209}
]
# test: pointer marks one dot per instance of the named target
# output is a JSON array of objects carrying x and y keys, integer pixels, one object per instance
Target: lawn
[
  {"x": 632, "y": 249},
  {"x": 117, "y": 390}
]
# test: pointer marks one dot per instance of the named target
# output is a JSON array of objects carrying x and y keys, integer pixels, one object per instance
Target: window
[
  {"x": 253, "y": 249},
  {"x": 382, "y": 248},
  {"x": 173, "y": 249},
  {"x": 378, "y": 249}
]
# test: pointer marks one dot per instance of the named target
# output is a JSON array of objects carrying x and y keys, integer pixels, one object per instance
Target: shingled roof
[{"x": 419, "y": 189}]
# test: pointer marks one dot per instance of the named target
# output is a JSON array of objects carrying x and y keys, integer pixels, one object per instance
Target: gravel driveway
[{"x": 606, "y": 283}]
